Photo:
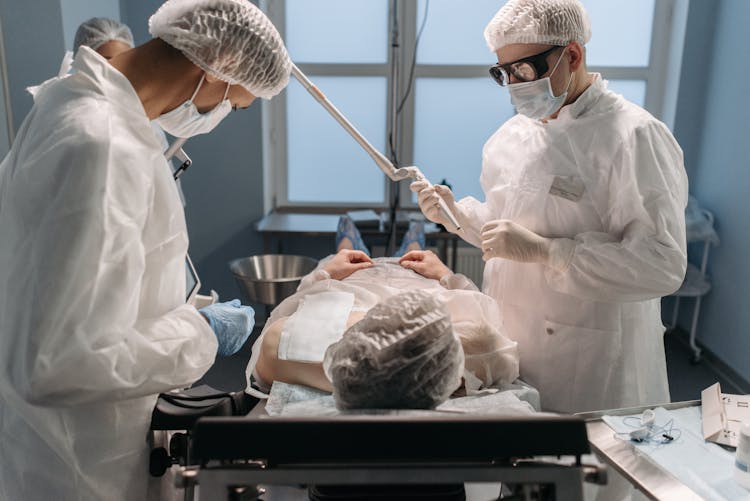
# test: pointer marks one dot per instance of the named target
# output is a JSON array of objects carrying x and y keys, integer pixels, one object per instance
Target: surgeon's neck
[{"x": 162, "y": 77}]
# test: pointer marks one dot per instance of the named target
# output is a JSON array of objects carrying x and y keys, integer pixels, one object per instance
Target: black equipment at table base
[
  {"x": 363, "y": 457},
  {"x": 372, "y": 457}
]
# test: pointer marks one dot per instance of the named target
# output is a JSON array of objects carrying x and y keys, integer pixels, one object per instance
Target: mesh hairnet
[
  {"x": 554, "y": 22},
  {"x": 99, "y": 30},
  {"x": 401, "y": 355},
  {"x": 230, "y": 39}
]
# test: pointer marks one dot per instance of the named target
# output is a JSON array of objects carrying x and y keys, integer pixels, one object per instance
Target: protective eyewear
[{"x": 526, "y": 70}]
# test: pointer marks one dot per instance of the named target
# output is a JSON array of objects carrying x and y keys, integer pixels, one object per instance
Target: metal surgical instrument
[{"x": 380, "y": 160}]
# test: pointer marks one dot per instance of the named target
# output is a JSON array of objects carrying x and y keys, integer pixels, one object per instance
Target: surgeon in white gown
[
  {"x": 93, "y": 320},
  {"x": 582, "y": 226},
  {"x": 109, "y": 38}
]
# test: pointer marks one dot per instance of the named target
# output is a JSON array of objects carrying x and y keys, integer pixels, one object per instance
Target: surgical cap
[
  {"x": 554, "y": 22},
  {"x": 402, "y": 355},
  {"x": 99, "y": 30},
  {"x": 230, "y": 39}
]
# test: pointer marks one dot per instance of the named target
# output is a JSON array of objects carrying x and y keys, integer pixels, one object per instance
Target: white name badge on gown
[
  {"x": 568, "y": 187},
  {"x": 319, "y": 322}
]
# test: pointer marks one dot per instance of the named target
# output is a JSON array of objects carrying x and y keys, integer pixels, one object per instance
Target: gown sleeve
[
  {"x": 642, "y": 255},
  {"x": 457, "y": 281},
  {"x": 79, "y": 335}
]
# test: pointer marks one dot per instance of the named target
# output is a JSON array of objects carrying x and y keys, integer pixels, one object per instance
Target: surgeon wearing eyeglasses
[{"x": 582, "y": 227}]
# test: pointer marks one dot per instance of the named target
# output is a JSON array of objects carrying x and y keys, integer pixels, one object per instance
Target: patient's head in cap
[{"x": 402, "y": 355}]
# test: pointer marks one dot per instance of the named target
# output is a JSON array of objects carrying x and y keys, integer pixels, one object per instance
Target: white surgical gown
[
  {"x": 93, "y": 320},
  {"x": 610, "y": 177}
]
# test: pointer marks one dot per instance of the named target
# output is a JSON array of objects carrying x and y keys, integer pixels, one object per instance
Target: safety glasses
[{"x": 526, "y": 69}]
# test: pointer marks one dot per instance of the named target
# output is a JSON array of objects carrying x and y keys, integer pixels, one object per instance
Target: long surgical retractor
[{"x": 380, "y": 160}]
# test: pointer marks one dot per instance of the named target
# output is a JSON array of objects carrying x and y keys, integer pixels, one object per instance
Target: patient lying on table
[{"x": 388, "y": 332}]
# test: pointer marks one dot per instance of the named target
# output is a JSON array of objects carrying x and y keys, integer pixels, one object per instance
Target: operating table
[{"x": 228, "y": 457}]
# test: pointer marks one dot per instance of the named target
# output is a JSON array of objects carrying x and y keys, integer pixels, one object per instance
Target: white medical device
[
  {"x": 175, "y": 150},
  {"x": 646, "y": 424},
  {"x": 192, "y": 282},
  {"x": 648, "y": 431},
  {"x": 380, "y": 160}
]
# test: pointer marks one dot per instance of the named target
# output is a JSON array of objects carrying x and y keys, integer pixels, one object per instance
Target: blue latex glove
[{"x": 231, "y": 322}]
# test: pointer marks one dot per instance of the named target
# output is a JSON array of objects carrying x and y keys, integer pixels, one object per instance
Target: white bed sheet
[{"x": 517, "y": 399}]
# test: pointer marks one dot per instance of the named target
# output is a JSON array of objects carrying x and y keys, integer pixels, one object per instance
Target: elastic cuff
[
  {"x": 321, "y": 275},
  {"x": 445, "y": 279},
  {"x": 561, "y": 252},
  {"x": 211, "y": 322}
]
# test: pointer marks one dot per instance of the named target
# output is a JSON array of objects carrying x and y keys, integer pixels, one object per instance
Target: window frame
[
  {"x": 661, "y": 77},
  {"x": 7, "y": 131}
]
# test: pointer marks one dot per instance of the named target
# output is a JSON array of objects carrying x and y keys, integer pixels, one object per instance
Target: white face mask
[
  {"x": 535, "y": 99},
  {"x": 186, "y": 121}
]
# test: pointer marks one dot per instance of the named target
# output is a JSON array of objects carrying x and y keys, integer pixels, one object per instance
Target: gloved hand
[
  {"x": 506, "y": 239},
  {"x": 231, "y": 322},
  {"x": 429, "y": 202}
]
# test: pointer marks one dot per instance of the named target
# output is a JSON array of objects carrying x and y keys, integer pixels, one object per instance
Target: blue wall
[
  {"x": 712, "y": 126},
  {"x": 74, "y": 12},
  {"x": 36, "y": 34},
  {"x": 694, "y": 82},
  {"x": 34, "y": 46}
]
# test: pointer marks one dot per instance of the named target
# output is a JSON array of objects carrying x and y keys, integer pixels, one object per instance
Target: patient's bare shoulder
[{"x": 269, "y": 350}]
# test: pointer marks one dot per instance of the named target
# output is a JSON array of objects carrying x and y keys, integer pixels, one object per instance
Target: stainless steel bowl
[{"x": 270, "y": 278}]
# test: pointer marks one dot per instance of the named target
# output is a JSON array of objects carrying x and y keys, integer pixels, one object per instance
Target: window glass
[
  {"x": 632, "y": 90},
  {"x": 620, "y": 32},
  {"x": 337, "y": 31},
  {"x": 454, "y": 32},
  {"x": 453, "y": 119},
  {"x": 324, "y": 161}
]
